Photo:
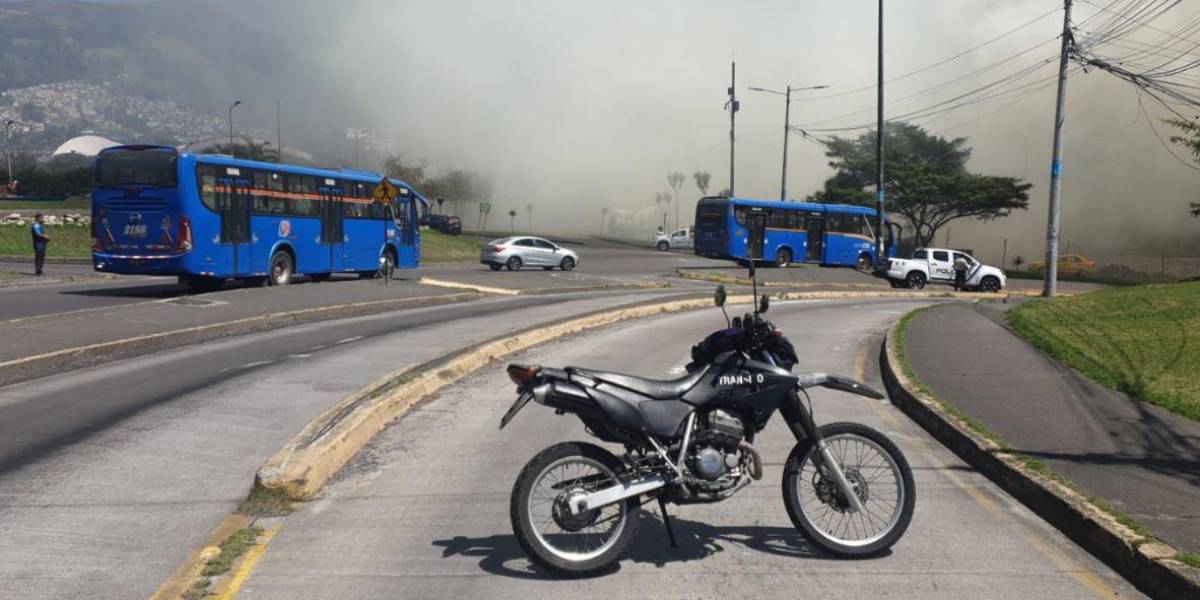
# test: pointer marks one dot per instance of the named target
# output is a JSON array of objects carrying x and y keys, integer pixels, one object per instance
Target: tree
[
  {"x": 529, "y": 209},
  {"x": 702, "y": 178},
  {"x": 1018, "y": 261},
  {"x": 249, "y": 149},
  {"x": 660, "y": 200},
  {"x": 512, "y": 219},
  {"x": 1192, "y": 142},
  {"x": 725, "y": 193},
  {"x": 926, "y": 180},
  {"x": 675, "y": 180}
]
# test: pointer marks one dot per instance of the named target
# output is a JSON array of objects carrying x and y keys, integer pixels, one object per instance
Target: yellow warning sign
[{"x": 385, "y": 192}]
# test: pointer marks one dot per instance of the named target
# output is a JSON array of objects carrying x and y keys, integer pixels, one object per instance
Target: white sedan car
[{"x": 523, "y": 251}]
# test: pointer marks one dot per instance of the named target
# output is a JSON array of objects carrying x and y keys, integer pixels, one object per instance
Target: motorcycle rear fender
[{"x": 836, "y": 382}]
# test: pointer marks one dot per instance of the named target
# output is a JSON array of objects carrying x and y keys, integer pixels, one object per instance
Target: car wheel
[
  {"x": 281, "y": 268},
  {"x": 990, "y": 285},
  {"x": 783, "y": 257},
  {"x": 915, "y": 280},
  {"x": 495, "y": 267},
  {"x": 567, "y": 263},
  {"x": 663, "y": 246},
  {"x": 514, "y": 263}
]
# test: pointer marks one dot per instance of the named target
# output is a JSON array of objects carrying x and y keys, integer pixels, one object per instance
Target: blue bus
[
  {"x": 786, "y": 232},
  {"x": 207, "y": 218}
]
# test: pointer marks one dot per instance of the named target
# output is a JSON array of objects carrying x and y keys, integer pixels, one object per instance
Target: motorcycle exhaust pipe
[
  {"x": 616, "y": 493},
  {"x": 756, "y": 470}
]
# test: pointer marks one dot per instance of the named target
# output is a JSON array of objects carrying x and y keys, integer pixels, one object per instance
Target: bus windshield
[{"x": 151, "y": 167}]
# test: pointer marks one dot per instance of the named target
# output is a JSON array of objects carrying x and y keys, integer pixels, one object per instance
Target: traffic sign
[{"x": 385, "y": 192}]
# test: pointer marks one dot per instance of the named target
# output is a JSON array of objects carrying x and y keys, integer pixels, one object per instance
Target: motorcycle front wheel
[
  {"x": 555, "y": 539},
  {"x": 880, "y": 477}
]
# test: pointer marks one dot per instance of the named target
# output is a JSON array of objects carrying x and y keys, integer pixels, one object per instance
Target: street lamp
[
  {"x": 787, "y": 109},
  {"x": 231, "y": 107},
  {"x": 8, "y": 146}
]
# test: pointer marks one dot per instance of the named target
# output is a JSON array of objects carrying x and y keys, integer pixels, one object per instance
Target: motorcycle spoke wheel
[
  {"x": 574, "y": 537},
  {"x": 877, "y": 481}
]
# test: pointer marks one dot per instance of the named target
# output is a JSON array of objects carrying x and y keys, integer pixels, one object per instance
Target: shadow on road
[{"x": 501, "y": 555}]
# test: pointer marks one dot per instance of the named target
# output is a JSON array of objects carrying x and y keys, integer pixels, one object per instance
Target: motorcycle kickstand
[{"x": 662, "y": 508}]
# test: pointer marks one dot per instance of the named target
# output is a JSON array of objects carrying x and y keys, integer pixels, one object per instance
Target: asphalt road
[
  {"x": 422, "y": 512},
  {"x": 111, "y": 475}
]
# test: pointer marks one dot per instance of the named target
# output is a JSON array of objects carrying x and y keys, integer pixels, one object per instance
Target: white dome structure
[{"x": 85, "y": 145}]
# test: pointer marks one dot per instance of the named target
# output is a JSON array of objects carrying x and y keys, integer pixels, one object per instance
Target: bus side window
[{"x": 208, "y": 185}]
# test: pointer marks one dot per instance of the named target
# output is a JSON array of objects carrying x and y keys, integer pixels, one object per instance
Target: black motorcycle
[{"x": 846, "y": 487}]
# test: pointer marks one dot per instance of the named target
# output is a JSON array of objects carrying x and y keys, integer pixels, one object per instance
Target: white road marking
[
  {"x": 299, "y": 355},
  {"x": 349, "y": 339}
]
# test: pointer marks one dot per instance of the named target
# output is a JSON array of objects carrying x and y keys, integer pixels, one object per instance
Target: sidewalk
[{"x": 1144, "y": 460}]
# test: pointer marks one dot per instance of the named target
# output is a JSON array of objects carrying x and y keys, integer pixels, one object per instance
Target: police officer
[
  {"x": 960, "y": 272},
  {"x": 40, "y": 241}
]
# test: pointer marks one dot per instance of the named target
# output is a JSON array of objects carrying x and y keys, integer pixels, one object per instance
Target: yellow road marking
[
  {"x": 1065, "y": 563},
  {"x": 245, "y": 567}
]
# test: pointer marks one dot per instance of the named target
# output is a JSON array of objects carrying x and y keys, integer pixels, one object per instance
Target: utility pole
[
  {"x": 1051, "y": 283},
  {"x": 278, "y": 135},
  {"x": 8, "y": 146},
  {"x": 787, "y": 126},
  {"x": 880, "y": 252},
  {"x": 733, "y": 106}
]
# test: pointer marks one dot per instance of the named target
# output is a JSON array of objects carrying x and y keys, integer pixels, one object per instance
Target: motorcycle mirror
[
  {"x": 764, "y": 303},
  {"x": 719, "y": 296}
]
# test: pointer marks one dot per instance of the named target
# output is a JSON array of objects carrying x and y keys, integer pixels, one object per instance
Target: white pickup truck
[
  {"x": 936, "y": 265},
  {"x": 680, "y": 238}
]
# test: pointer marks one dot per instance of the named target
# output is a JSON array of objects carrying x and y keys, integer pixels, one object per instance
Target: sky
[{"x": 576, "y": 106}]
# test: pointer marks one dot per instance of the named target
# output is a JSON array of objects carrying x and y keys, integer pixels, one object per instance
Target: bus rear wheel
[
  {"x": 281, "y": 268},
  {"x": 783, "y": 257}
]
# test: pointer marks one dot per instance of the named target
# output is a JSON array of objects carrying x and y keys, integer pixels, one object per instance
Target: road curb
[
  {"x": 29, "y": 367},
  {"x": 487, "y": 289},
  {"x": 1149, "y": 565},
  {"x": 50, "y": 260}
]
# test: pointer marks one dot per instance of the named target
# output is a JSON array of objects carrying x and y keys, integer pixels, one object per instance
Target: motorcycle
[{"x": 846, "y": 487}]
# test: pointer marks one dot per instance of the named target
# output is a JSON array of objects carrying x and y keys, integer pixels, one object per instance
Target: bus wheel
[
  {"x": 281, "y": 268},
  {"x": 864, "y": 262},
  {"x": 514, "y": 263},
  {"x": 915, "y": 280},
  {"x": 783, "y": 257}
]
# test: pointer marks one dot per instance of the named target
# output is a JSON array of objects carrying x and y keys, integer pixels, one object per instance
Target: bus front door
[
  {"x": 816, "y": 239},
  {"x": 234, "y": 203},
  {"x": 333, "y": 232},
  {"x": 756, "y": 223}
]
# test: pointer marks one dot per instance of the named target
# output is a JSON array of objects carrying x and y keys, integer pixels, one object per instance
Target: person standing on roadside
[
  {"x": 960, "y": 272},
  {"x": 40, "y": 242}
]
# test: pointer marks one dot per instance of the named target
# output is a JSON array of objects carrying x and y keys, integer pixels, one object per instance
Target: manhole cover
[{"x": 189, "y": 301}]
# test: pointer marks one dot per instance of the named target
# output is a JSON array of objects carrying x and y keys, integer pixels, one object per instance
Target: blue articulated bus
[
  {"x": 207, "y": 218},
  {"x": 786, "y": 232}
]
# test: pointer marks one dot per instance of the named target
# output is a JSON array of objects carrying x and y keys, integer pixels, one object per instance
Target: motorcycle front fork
[{"x": 803, "y": 427}]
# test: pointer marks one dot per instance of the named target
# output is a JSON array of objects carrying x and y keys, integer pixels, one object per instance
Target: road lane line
[
  {"x": 1065, "y": 563},
  {"x": 246, "y": 567},
  {"x": 349, "y": 339}
]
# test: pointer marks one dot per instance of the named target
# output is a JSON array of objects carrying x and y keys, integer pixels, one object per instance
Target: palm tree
[
  {"x": 529, "y": 209},
  {"x": 702, "y": 178},
  {"x": 1018, "y": 261},
  {"x": 675, "y": 180},
  {"x": 512, "y": 219}
]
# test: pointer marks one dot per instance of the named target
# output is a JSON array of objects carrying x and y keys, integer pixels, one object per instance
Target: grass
[
  {"x": 264, "y": 501},
  {"x": 1143, "y": 341},
  {"x": 81, "y": 203},
  {"x": 1190, "y": 559},
  {"x": 66, "y": 241},
  {"x": 231, "y": 549},
  {"x": 439, "y": 247},
  {"x": 1029, "y": 462}
]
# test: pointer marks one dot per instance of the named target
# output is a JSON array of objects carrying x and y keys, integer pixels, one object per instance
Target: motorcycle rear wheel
[
  {"x": 877, "y": 470},
  {"x": 554, "y": 539}
]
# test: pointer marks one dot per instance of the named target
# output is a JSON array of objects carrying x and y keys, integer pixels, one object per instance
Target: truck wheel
[
  {"x": 663, "y": 246},
  {"x": 990, "y": 285},
  {"x": 864, "y": 262},
  {"x": 915, "y": 280}
]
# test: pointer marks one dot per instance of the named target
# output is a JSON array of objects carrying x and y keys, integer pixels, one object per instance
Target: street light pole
[
  {"x": 733, "y": 106},
  {"x": 8, "y": 146},
  {"x": 880, "y": 251},
  {"x": 231, "y": 107},
  {"x": 787, "y": 126}
]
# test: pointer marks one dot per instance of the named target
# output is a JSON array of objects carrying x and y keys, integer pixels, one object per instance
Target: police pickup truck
[
  {"x": 680, "y": 238},
  {"x": 936, "y": 265}
]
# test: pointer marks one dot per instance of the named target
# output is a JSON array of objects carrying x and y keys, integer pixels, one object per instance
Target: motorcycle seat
[{"x": 658, "y": 389}]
